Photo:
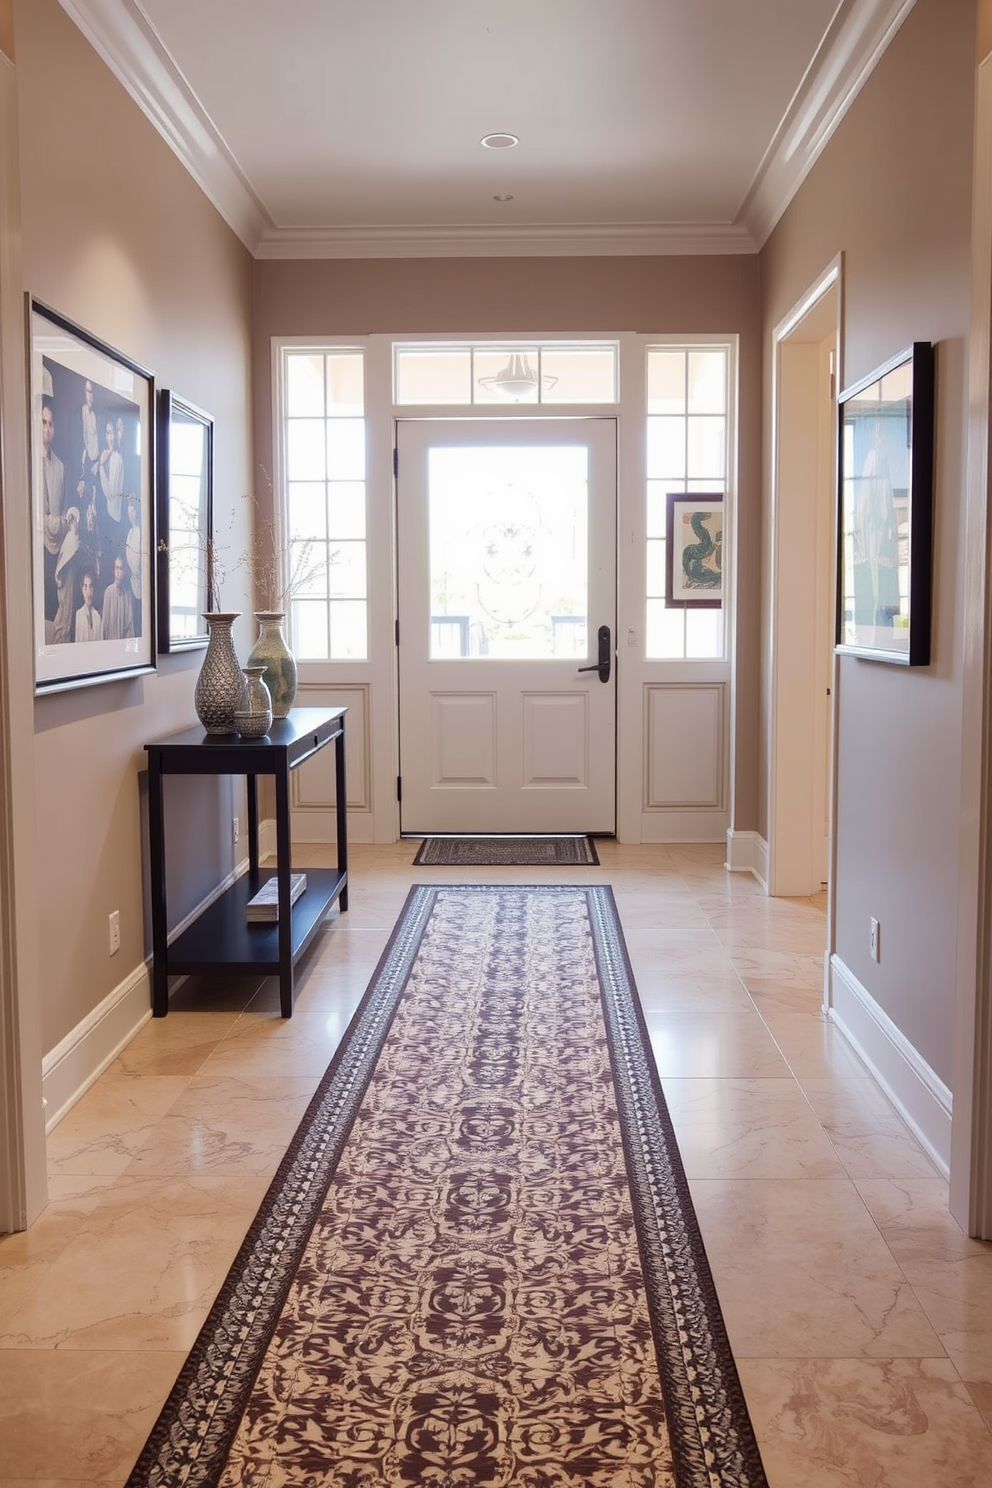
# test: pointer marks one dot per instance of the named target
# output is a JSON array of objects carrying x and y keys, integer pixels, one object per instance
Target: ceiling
[{"x": 352, "y": 128}]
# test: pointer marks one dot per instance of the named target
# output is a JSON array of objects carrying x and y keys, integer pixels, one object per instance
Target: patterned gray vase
[
  {"x": 272, "y": 654},
  {"x": 253, "y": 715},
  {"x": 218, "y": 687}
]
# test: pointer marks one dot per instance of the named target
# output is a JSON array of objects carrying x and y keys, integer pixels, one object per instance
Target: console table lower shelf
[{"x": 222, "y": 938}]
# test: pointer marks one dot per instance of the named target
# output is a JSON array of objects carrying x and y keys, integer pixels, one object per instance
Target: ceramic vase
[
  {"x": 272, "y": 654},
  {"x": 253, "y": 715},
  {"x": 219, "y": 684}
]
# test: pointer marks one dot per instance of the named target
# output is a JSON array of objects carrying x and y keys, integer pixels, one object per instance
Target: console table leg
[
  {"x": 284, "y": 874},
  {"x": 156, "y": 853},
  {"x": 341, "y": 814}
]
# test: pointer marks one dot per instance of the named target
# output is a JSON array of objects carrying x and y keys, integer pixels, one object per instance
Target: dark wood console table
[{"x": 220, "y": 939}]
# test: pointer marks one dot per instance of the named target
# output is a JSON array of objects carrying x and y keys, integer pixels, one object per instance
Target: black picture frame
[
  {"x": 185, "y": 498},
  {"x": 885, "y": 511},
  {"x": 694, "y": 551},
  {"x": 93, "y": 517}
]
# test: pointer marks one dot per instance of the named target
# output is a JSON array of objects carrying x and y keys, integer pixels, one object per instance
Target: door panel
[{"x": 507, "y": 568}]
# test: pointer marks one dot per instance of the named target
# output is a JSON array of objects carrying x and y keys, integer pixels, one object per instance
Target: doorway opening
[{"x": 801, "y": 692}]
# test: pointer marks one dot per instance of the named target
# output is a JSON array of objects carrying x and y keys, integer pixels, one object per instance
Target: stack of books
[{"x": 265, "y": 904}]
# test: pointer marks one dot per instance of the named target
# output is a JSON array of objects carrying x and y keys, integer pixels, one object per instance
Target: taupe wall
[
  {"x": 117, "y": 237},
  {"x": 509, "y": 296},
  {"x": 892, "y": 192}
]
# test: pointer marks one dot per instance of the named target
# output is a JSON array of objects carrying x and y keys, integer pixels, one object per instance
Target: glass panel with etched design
[{"x": 508, "y": 552}]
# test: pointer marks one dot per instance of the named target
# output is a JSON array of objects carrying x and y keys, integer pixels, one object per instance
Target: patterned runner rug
[
  {"x": 508, "y": 852},
  {"x": 478, "y": 1263}
]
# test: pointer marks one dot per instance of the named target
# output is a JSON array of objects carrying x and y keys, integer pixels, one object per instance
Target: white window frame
[{"x": 635, "y": 672}]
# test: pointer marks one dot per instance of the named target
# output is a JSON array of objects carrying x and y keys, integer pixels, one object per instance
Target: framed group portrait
[
  {"x": 885, "y": 521},
  {"x": 93, "y": 518}
]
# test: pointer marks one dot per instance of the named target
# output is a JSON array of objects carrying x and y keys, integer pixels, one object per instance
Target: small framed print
[
  {"x": 694, "y": 551},
  {"x": 93, "y": 522}
]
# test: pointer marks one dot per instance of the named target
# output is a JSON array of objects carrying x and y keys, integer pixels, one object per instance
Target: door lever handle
[{"x": 602, "y": 666}]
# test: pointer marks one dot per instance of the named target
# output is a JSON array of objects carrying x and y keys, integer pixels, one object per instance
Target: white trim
[
  {"x": 538, "y": 240},
  {"x": 23, "y": 1169},
  {"x": 83, "y": 1055},
  {"x": 918, "y": 1094},
  {"x": 971, "y": 1157},
  {"x": 793, "y": 865},
  {"x": 747, "y": 852},
  {"x": 69, "y": 1069},
  {"x": 851, "y": 47},
  {"x": 122, "y": 35},
  {"x": 126, "y": 40}
]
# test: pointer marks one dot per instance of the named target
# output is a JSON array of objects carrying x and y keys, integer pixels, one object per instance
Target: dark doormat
[{"x": 505, "y": 852}]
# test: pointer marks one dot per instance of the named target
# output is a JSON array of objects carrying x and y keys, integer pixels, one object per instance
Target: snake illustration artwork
[{"x": 701, "y": 561}]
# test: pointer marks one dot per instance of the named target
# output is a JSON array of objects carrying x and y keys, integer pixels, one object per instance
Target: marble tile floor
[{"x": 860, "y": 1315}]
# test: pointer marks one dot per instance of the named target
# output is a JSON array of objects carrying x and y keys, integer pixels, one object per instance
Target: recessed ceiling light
[
  {"x": 503, "y": 196},
  {"x": 499, "y": 141}
]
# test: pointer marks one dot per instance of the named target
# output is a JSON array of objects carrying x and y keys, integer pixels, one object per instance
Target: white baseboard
[
  {"x": 69, "y": 1070},
  {"x": 919, "y": 1095},
  {"x": 747, "y": 852},
  {"x": 72, "y": 1066}
]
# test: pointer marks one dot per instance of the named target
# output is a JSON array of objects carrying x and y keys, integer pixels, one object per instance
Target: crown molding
[
  {"x": 563, "y": 240},
  {"x": 122, "y": 35},
  {"x": 852, "y": 45}
]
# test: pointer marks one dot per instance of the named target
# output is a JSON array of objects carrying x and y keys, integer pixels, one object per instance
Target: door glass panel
[{"x": 508, "y": 552}]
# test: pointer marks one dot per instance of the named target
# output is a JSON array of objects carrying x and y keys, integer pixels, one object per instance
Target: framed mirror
[{"x": 185, "y": 521}]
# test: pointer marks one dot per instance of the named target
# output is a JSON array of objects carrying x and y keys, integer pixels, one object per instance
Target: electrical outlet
[
  {"x": 115, "y": 932},
  {"x": 875, "y": 940},
  {"x": 236, "y": 829}
]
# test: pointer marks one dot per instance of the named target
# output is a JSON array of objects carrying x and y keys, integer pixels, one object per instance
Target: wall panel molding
[{"x": 687, "y": 779}]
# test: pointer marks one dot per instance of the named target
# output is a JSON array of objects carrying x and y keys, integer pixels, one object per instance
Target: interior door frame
[
  {"x": 801, "y": 588},
  {"x": 478, "y": 417}
]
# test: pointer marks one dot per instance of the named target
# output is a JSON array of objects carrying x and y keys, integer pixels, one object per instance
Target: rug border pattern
[
  {"x": 190, "y": 1441},
  {"x": 711, "y": 1436}
]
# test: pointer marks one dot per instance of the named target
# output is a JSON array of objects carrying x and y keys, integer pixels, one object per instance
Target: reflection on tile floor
[{"x": 860, "y": 1315}]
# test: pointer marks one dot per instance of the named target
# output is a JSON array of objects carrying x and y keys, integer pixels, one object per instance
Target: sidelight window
[
  {"x": 688, "y": 438},
  {"x": 324, "y": 437}
]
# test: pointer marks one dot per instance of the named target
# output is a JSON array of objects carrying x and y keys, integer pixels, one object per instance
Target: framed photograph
[
  {"x": 694, "y": 552},
  {"x": 185, "y": 493},
  {"x": 885, "y": 525},
  {"x": 93, "y": 517}
]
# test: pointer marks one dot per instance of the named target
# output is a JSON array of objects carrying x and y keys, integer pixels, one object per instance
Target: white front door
[{"x": 507, "y": 591}]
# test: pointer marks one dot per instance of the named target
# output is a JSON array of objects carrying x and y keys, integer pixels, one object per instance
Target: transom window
[{"x": 463, "y": 373}]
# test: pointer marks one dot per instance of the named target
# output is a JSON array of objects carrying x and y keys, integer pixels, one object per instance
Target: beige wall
[
  {"x": 117, "y": 237},
  {"x": 509, "y": 296},
  {"x": 984, "y": 43},
  {"x": 892, "y": 192}
]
